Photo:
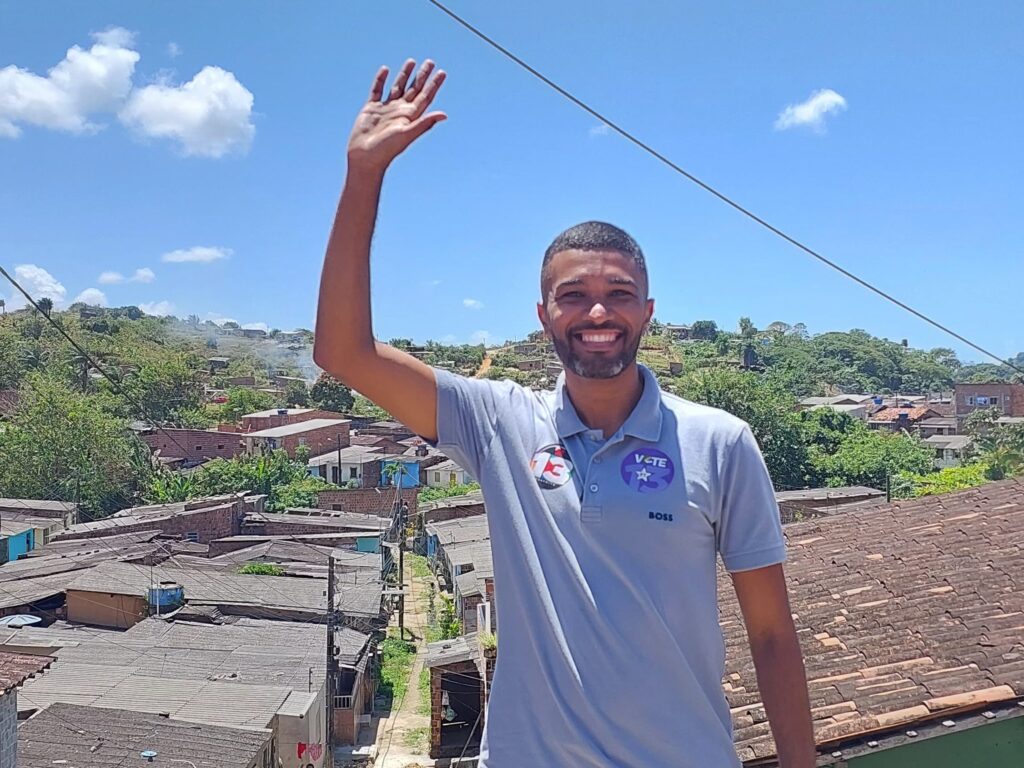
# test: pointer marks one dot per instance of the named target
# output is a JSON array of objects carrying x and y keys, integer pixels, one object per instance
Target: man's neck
[{"x": 605, "y": 404}]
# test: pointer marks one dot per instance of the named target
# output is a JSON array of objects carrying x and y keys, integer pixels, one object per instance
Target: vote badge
[
  {"x": 551, "y": 466},
  {"x": 648, "y": 470}
]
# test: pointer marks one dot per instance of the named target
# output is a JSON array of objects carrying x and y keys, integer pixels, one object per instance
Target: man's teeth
[{"x": 598, "y": 338}]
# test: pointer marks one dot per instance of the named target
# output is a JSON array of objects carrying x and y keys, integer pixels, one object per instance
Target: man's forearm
[
  {"x": 783, "y": 684},
  {"x": 344, "y": 323}
]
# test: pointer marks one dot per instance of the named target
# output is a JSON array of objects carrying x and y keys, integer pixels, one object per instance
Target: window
[
  {"x": 993, "y": 400},
  {"x": 334, "y": 475},
  {"x": 353, "y": 473},
  {"x": 302, "y": 441},
  {"x": 970, "y": 399},
  {"x": 437, "y": 477},
  {"x": 220, "y": 446},
  {"x": 199, "y": 447},
  {"x": 981, "y": 400},
  {"x": 191, "y": 536}
]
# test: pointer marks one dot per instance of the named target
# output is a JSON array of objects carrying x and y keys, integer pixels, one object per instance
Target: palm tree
[{"x": 45, "y": 305}]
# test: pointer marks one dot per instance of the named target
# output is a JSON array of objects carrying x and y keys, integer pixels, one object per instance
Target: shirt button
[{"x": 593, "y": 487}]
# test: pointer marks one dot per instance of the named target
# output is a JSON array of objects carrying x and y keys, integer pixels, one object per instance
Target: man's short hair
[{"x": 596, "y": 236}]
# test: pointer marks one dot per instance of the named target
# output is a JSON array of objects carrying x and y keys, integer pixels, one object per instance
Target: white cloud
[
  {"x": 472, "y": 304},
  {"x": 198, "y": 254},
  {"x": 600, "y": 130},
  {"x": 480, "y": 337},
  {"x": 115, "y": 37},
  {"x": 449, "y": 338},
  {"x": 110, "y": 278},
  {"x": 256, "y": 327},
  {"x": 39, "y": 283},
  {"x": 219, "y": 319},
  {"x": 209, "y": 116},
  {"x": 142, "y": 275},
  {"x": 173, "y": 50},
  {"x": 158, "y": 308},
  {"x": 80, "y": 85},
  {"x": 811, "y": 113},
  {"x": 94, "y": 297}
]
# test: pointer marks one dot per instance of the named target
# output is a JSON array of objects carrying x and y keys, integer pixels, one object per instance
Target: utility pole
[
  {"x": 331, "y": 685},
  {"x": 338, "y": 481}
]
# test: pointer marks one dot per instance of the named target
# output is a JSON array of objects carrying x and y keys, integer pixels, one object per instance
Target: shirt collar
[{"x": 643, "y": 423}]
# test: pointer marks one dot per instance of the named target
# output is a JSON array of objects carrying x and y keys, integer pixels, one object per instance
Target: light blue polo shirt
[{"x": 610, "y": 651}]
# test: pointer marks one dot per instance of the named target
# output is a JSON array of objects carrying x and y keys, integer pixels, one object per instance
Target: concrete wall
[
  {"x": 301, "y": 737},
  {"x": 17, "y": 545},
  {"x": 104, "y": 610},
  {"x": 8, "y": 729},
  {"x": 1011, "y": 398}
]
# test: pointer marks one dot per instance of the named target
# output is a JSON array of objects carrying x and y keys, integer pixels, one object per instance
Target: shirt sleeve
[
  {"x": 750, "y": 530},
  {"x": 467, "y": 416}
]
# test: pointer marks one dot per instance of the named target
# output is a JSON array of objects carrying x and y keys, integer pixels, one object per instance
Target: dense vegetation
[{"x": 69, "y": 435}]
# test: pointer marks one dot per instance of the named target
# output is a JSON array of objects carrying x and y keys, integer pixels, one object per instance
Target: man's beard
[{"x": 594, "y": 366}]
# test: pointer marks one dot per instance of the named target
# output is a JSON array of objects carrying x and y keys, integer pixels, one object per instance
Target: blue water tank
[{"x": 166, "y": 596}]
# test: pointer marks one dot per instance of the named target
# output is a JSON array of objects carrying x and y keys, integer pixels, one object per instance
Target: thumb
[{"x": 423, "y": 124}]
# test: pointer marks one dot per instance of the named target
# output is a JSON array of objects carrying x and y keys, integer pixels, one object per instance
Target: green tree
[
  {"x": 45, "y": 305},
  {"x": 62, "y": 444},
  {"x": 764, "y": 406},
  {"x": 329, "y": 394},
  {"x": 296, "y": 395},
  {"x": 999, "y": 446},
  {"x": 706, "y": 330},
  {"x": 867, "y": 457},
  {"x": 241, "y": 401}
]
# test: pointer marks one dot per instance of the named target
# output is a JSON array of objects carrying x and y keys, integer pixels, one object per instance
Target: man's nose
[{"x": 598, "y": 313}]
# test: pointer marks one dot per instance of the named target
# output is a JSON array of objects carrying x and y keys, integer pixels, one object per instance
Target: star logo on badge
[{"x": 643, "y": 475}]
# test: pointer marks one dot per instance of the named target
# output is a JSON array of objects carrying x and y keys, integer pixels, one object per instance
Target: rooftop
[
  {"x": 329, "y": 518},
  {"x": 276, "y": 412},
  {"x": 827, "y": 494},
  {"x": 351, "y": 454},
  {"x": 950, "y": 442},
  {"x": 460, "y": 530},
  {"x": 95, "y": 737},
  {"x": 38, "y": 505},
  {"x": 462, "y": 648},
  {"x": 16, "y": 668},
  {"x": 64, "y": 555},
  {"x": 891, "y": 414},
  {"x": 208, "y": 586},
  {"x": 905, "y": 613},
  {"x": 297, "y": 428}
]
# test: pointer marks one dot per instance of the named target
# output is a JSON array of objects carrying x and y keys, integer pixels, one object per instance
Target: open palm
[{"x": 386, "y": 126}]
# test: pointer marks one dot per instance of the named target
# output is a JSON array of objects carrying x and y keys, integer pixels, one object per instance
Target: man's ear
[{"x": 542, "y": 315}]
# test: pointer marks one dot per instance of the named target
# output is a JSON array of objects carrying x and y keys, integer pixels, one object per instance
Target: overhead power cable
[
  {"x": 708, "y": 188},
  {"x": 88, "y": 358}
]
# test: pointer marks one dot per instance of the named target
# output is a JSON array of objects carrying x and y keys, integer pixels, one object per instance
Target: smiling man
[{"x": 609, "y": 501}]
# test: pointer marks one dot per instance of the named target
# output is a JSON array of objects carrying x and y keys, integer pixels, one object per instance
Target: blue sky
[{"x": 222, "y": 126}]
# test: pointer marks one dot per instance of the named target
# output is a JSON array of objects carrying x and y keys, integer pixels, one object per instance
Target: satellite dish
[
  {"x": 149, "y": 754},
  {"x": 19, "y": 620}
]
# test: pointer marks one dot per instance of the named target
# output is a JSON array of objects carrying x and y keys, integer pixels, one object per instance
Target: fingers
[
  {"x": 377, "y": 89},
  {"x": 426, "y": 96},
  {"x": 423, "y": 124},
  {"x": 420, "y": 81},
  {"x": 403, "y": 77}
]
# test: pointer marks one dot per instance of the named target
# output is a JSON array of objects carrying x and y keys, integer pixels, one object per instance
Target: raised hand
[{"x": 386, "y": 126}]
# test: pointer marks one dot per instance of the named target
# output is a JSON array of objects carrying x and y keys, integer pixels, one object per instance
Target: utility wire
[
  {"x": 88, "y": 358},
  {"x": 708, "y": 188}
]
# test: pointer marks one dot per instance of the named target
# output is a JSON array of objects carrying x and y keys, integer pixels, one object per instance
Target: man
[{"x": 608, "y": 500}]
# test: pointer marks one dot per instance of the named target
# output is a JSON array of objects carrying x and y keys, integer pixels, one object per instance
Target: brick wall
[
  {"x": 1011, "y": 398},
  {"x": 199, "y": 444},
  {"x": 452, "y": 513},
  {"x": 276, "y": 528},
  {"x": 319, "y": 441},
  {"x": 209, "y": 523},
  {"x": 366, "y": 500},
  {"x": 8, "y": 729},
  {"x": 256, "y": 423}
]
